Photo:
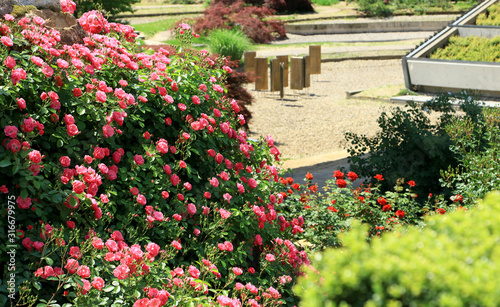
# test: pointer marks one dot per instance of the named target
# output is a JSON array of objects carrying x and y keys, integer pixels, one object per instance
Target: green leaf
[
  {"x": 79, "y": 282},
  {"x": 60, "y": 143},
  {"x": 36, "y": 184},
  {"x": 15, "y": 169},
  {"x": 24, "y": 193},
  {"x": 73, "y": 202},
  {"x": 5, "y": 163},
  {"x": 37, "y": 285},
  {"x": 57, "y": 198},
  {"x": 108, "y": 288},
  {"x": 49, "y": 261},
  {"x": 80, "y": 110}
]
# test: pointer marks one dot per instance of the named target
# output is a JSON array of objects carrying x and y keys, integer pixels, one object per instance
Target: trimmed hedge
[{"x": 453, "y": 262}]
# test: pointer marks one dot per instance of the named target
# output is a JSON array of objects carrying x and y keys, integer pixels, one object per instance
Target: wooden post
[
  {"x": 261, "y": 71},
  {"x": 282, "y": 82},
  {"x": 284, "y": 59},
  {"x": 315, "y": 54},
  {"x": 250, "y": 60},
  {"x": 307, "y": 71},
  {"x": 296, "y": 73},
  {"x": 275, "y": 75}
]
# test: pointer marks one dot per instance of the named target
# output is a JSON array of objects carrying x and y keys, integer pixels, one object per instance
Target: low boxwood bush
[
  {"x": 229, "y": 43},
  {"x": 452, "y": 262},
  {"x": 125, "y": 180}
]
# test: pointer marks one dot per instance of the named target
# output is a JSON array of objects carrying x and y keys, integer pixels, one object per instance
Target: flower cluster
[
  {"x": 331, "y": 213},
  {"x": 101, "y": 137}
]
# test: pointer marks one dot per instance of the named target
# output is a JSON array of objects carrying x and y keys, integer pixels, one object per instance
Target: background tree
[
  {"x": 280, "y": 6},
  {"x": 112, "y": 7}
]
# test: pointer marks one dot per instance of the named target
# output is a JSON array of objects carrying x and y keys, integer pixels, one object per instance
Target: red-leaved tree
[{"x": 250, "y": 19}]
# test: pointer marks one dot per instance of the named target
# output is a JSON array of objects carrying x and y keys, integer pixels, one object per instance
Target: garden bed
[{"x": 425, "y": 73}]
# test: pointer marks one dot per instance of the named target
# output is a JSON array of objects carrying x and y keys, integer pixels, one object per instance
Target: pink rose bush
[{"x": 132, "y": 182}]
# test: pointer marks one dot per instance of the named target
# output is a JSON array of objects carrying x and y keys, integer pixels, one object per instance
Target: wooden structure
[
  {"x": 297, "y": 73},
  {"x": 315, "y": 54},
  {"x": 261, "y": 72},
  {"x": 284, "y": 59},
  {"x": 249, "y": 57}
]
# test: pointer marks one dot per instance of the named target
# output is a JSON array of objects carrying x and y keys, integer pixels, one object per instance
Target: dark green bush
[
  {"x": 409, "y": 145},
  {"x": 453, "y": 262},
  {"x": 478, "y": 145}
]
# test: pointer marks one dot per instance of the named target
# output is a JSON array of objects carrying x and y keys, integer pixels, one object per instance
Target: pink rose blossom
[
  {"x": 98, "y": 283},
  {"x": 270, "y": 257},
  {"x": 83, "y": 271},
  {"x": 237, "y": 271},
  {"x": 35, "y": 156},
  {"x": 121, "y": 272},
  {"x": 108, "y": 131},
  {"x": 71, "y": 265},
  {"x": 10, "y": 131},
  {"x": 153, "y": 249},
  {"x": 177, "y": 245},
  {"x": 6, "y": 41},
  {"x": 10, "y": 62},
  {"x": 191, "y": 209},
  {"x": 138, "y": 159},
  {"x": 97, "y": 243},
  {"x": 224, "y": 213},
  {"x": 72, "y": 130}
]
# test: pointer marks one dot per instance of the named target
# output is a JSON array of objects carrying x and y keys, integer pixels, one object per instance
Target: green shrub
[
  {"x": 471, "y": 48},
  {"x": 325, "y": 2},
  {"x": 229, "y": 43},
  {"x": 376, "y": 8},
  {"x": 183, "y": 1},
  {"x": 327, "y": 215},
  {"x": 453, "y": 262},
  {"x": 105, "y": 141},
  {"x": 491, "y": 17},
  {"x": 420, "y": 6},
  {"x": 477, "y": 144},
  {"x": 409, "y": 145}
]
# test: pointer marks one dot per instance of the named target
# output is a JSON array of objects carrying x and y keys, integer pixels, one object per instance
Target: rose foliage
[
  {"x": 127, "y": 180},
  {"x": 330, "y": 213}
]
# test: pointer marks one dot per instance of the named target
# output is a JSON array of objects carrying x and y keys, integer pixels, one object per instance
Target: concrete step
[{"x": 393, "y": 24}]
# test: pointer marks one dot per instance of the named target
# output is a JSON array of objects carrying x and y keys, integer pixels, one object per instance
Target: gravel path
[{"x": 313, "y": 122}]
